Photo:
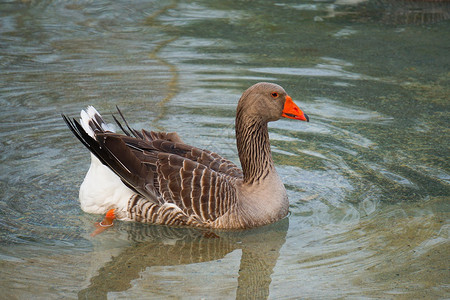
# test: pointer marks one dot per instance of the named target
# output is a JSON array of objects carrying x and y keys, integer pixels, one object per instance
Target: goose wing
[
  {"x": 175, "y": 176},
  {"x": 197, "y": 190},
  {"x": 170, "y": 142},
  {"x": 161, "y": 168}
]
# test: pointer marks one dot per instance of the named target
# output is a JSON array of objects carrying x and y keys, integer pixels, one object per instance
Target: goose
[{"x": 154, "y": 177}]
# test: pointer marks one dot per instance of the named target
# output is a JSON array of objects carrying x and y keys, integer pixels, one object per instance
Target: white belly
[{"x": 102, "y": 190}]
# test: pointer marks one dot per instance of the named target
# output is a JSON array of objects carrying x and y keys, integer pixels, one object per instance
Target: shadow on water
[{"x": 164, "y": 246}]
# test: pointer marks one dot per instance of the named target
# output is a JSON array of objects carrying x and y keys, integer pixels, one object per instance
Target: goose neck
[{"x": 253, "y": 145}]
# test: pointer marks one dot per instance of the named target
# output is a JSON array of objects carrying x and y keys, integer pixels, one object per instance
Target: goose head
[{"x": 268, "y": 102}]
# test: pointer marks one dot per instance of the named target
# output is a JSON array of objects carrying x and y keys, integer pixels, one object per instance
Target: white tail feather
[
  {"x": 101, "y": 189},
  {"x": 89, "y": 115}
]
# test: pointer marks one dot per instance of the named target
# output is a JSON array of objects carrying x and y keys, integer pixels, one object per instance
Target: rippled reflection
[{"x": 158, "y": 246}]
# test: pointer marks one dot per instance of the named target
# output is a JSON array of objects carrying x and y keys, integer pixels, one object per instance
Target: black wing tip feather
[
  {"x": 120, "y": 126},
  {"x": 90, "y": 143},
  {"x": 105, "y": 156},
  {"x": 75, "y": 129},
  {"x": 135, "y": 132}
]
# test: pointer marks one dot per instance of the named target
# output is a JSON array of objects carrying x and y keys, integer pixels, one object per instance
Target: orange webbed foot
[{"x": 107, "y": 222}]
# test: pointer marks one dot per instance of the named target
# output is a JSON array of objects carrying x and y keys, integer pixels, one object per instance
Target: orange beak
[{"x": 292, "y": 111}]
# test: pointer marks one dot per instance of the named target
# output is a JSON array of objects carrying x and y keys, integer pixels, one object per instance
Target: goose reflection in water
[{"x": 165, "y": 246}]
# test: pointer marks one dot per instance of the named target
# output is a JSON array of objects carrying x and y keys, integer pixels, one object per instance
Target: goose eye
[{"x": 274, "y": 94}]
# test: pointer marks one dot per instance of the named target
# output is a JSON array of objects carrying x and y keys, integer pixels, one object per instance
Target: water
[{"x": 368, "y": 177}]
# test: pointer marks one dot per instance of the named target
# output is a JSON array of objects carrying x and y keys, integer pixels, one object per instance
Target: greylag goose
[{"x": 153, "y": 177}]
